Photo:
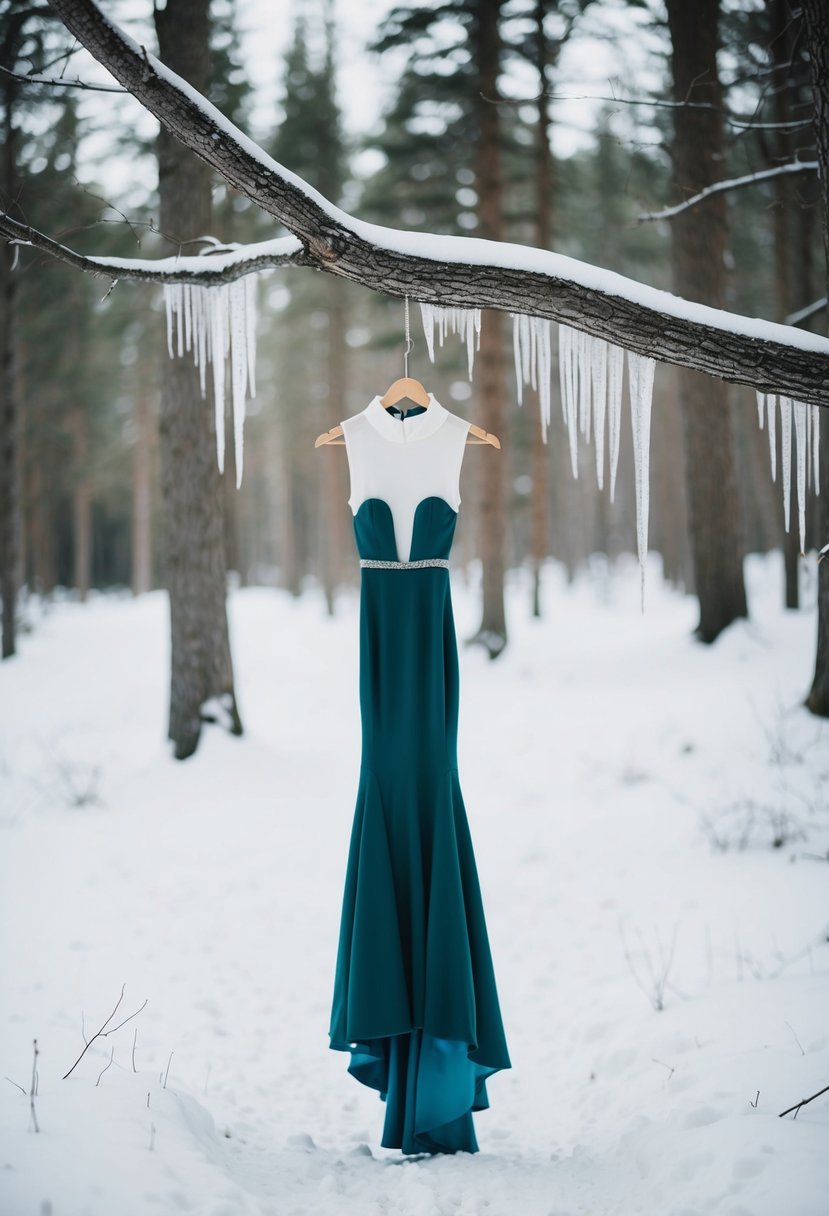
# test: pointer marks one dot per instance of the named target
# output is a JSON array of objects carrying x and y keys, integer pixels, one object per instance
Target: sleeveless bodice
[{"x": 405, "y": 474}]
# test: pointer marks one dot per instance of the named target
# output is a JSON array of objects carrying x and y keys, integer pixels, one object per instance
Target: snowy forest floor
[{"x": 624, "y": 787}]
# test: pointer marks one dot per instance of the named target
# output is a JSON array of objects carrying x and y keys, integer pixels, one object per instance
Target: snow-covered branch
[
  {"x": 208, "y": 269},
  {"x": 462, "y": 272},
  {"x": 733, "y": 183}
]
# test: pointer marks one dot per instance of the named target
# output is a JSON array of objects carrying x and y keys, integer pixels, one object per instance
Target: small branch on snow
[
  {"x": 734, "y": 183},
  {"x": 803, "y": 1102},
  {"x": 796, "y": 1039},
  {"x": 106, "y": 1066},
  {"x": 33, "y": 1090}
]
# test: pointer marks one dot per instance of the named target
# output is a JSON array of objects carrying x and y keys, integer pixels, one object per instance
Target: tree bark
[
  {"x": 492, "y": 631},
  {"x": 81, "y": 505},
  {"x": 142, "y": 464},
  {"x": 190, "y": 482},
  {"x": 335, "y": 483},
  {"x": 698, "y": 248},
  {"x": 9, "y": 406},
  {"x": 816, "y": 18}
]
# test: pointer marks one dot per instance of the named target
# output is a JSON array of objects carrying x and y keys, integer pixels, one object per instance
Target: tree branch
[
  {"x": 734, "y": 183},
  {"x": 803, "y": 314},
  {"x": 208, "y": 268},
  {"x": 461, "y": 271},
  {"x": 65, "y": 82}
]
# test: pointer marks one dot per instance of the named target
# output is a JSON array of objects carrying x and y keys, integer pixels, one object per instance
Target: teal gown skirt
[{"x": 415, "y": 1000}]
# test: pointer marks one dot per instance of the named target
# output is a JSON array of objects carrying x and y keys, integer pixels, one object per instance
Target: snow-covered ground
[{"x": 624, "y": 786}]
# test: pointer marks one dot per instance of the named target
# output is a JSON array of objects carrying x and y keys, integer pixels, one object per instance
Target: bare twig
[
  {"x": 168, "y": 1070},
  {"x": 734, "y": 183},
  {"x": 103, "y": 1032},
  {"x": 803, "y": 314},
  {"x": 796, "y": 1039},
  {"x": 106, "y": 1066},
  {"x": 33, "y": 1091},
  {"x": 804, "y": 1102},
  {"x": 658, "y": 972},
  {"x": 62, "y": 82}
]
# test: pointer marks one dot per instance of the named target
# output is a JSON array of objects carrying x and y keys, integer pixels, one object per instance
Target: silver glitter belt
[{"x": 371, "y": 564}]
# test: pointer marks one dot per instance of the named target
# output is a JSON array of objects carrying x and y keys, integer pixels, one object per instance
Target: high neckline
[{"x": 405, "y": 430}]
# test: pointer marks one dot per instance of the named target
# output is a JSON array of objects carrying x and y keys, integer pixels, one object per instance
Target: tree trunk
[
  {"x": 698, "y": 247},
  {"x": 782, "y": 45},
  {"x": 81, "y": 505},
  {"x": 9, "y": 412},
  {"x": 334, "y": 483},
  {"x": 492, "y": 632},
  {"x": 142, "y": 465},
  {"x": 816, "y": 18},
  {"x": 190, "y": 482}
]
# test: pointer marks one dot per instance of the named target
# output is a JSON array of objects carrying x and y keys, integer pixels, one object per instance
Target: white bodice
[{"x": 403, "y": 461}]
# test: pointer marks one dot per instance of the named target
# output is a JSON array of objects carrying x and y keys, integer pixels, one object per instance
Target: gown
[{"x": 415, "y": 999}]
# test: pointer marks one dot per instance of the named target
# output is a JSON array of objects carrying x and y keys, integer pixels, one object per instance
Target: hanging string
[{"x": 409, "y": 343}]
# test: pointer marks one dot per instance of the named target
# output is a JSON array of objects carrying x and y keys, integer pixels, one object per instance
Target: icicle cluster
[
  {"x": 533, "y": 361},
  {"x": 807, "y": 449},
  {"x": 591, "y": 371},
  {"x": 215, "y": 322},
  {"x": 466, "y": 322}
]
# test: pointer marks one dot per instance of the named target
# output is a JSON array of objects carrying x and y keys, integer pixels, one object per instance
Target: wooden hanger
[{"x": 412, "y": 390}]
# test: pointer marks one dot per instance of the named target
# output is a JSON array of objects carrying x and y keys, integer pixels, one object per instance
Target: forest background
[{"x": 580, "y": 164}]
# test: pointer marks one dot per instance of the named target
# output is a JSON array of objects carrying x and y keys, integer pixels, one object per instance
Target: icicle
[
  {"x": 250, "y": 329},
  {"x": 545, "y": 368},
  {"x": 640, "y": 385},
  {"x": 238, "y": 368},
  {"x": 466, "y": 322},
  {"x": 568, "y": 362},
  {"x": 470, "y": 344},
  {"x": 533, "y": 361},
  {"x": 816, "y": 447},
  {"x": 800, "y": 442},
  {"x": 200, "y": 347},
  {"x": 598, "y": 376},
  {"x": 786, "y": 454},
  {"x": 179, "y": 307},
  {"x": 771, "y": 415},
  {"x": 582, "y": 348},
  {"x": 615, "y": 375},
  {"x": 760, "y": 399},
  {"x": 188, "y": 314},
  {"x": 516, "y": 352},
  {"x": 427, "y": 315},
  {"x": 217, "y": 324},
  {"x": 168, "y": 302}
]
